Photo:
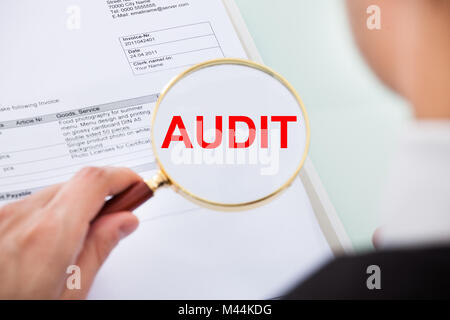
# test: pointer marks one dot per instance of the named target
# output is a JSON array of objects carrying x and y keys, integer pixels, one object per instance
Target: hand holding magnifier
[{"x": 228, "y": 134}]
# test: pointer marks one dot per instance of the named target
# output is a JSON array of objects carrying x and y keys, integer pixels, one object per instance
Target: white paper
[{"x": 78, "y": 82}]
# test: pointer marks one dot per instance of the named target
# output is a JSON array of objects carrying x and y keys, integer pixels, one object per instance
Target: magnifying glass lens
[{"x": 230, "y": 134}]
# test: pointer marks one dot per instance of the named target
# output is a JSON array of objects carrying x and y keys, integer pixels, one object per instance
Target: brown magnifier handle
[{"x": 129, "y": 199}]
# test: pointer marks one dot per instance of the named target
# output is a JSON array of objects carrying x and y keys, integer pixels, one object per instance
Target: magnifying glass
[{"x": 228, "y": 134}]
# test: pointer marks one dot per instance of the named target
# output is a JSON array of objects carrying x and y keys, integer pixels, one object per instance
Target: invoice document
[{"x": 78, "y": 83}]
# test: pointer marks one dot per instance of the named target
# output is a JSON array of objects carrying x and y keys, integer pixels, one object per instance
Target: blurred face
[
  {"x": 411, "y": 50},
  {"x": 384, "y": 48}
]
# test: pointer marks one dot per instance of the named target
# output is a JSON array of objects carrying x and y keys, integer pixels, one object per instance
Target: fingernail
[{"x": 127, "y": 228}]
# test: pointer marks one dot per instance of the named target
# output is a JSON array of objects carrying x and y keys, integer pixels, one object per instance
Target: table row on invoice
[{"x": 43, "y": 150}]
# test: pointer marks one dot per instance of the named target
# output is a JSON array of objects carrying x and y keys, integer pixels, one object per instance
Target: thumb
[{"x": 104, "y": 234}]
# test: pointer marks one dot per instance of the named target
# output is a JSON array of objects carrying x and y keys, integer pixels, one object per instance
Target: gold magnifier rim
[{"x": 230, "y": 206}]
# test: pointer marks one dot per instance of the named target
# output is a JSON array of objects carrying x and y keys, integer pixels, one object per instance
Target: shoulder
[{"x": 407, "y": 273}]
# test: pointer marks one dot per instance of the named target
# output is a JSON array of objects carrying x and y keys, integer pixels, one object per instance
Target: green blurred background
[{"x": 355, "y": 120}]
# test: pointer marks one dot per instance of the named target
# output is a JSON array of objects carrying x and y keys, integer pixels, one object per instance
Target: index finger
[{"x": 84, "y": 195}]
